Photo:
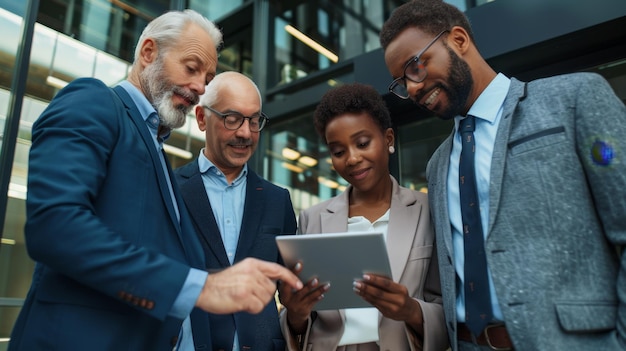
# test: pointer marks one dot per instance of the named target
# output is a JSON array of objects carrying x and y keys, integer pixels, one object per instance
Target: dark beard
[{"x": 458, "y": 87}]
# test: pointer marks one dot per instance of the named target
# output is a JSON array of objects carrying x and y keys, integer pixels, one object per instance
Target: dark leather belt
[{"x": 495, "y": 336}]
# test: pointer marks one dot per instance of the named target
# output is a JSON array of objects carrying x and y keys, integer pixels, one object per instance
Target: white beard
[
  {"x": 170, "y": 116},
  {"x": 159, "y": 91}
]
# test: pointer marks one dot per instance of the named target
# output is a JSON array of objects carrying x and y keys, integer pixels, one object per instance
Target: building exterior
[{"x": 295, "y": 50}]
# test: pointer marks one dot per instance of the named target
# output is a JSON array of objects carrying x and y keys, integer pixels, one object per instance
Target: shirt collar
[
  {"x": 490, "y": 101},
  {"x": 204, "y": 165},
  {"x": 145, "y": 108},
  {"x": 140, "y": 100}
]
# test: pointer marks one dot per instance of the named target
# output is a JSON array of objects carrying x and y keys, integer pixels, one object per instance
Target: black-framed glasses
[
  {"x": 234, "y": 120},
  {"x": 414, "y": 70}
]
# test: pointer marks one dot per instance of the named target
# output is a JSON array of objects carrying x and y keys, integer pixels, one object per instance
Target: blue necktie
[{"x": 477, "y": 299}]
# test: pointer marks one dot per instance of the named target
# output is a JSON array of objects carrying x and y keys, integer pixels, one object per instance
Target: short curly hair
[
  {"x": 431, "y": 16},
  {"x": 351, "y": 98}
]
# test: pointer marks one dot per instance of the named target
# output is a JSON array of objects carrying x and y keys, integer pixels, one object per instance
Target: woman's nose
[{"x": 354, "y": 158}]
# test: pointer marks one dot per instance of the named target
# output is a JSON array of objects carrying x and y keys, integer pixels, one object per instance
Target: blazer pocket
[
  {"x": 420, "y": 252},
  {"x": 587, "y": 316},
  {"x": 541, "y": 139}
]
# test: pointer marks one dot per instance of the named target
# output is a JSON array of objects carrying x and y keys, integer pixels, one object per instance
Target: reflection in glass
[
  {"x": 213, "y": 10},
  {"x": 58, "y": 59},
  {"x": 108, "y": 25},
  {"x": 310, "y": 36},
  {"x": 72, "y": 59},
  {"x": 110, "y": 69},
  {"x": 416, "y": 143},
  {"x": 10, "y": 27},
  {"x": 298, "y": 160},
  {"x": 16, "y": 267}
]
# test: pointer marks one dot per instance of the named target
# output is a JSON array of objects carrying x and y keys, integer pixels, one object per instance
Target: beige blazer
[{"x": 410, "y": 245}]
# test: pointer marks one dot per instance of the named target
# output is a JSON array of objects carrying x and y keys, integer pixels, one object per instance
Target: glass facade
[
  {"x": 294, "y": 50},
  {"x": 310, "y": 36}
]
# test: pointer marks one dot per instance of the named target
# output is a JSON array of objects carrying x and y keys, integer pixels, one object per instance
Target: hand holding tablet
[{"x": 338, "y": 259}]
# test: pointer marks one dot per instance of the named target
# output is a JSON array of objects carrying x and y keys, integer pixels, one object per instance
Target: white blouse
[{"x": 361, "y": 324}]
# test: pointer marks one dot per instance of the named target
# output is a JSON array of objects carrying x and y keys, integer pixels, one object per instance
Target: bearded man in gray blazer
[{"x": 550, "y": 170}]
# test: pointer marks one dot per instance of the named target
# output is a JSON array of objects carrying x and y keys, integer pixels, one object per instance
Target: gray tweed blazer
[{"x": 557, "y": 216}]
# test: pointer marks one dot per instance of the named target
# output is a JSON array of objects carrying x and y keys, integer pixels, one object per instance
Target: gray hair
[
  {"x": 167, "y": 28},
  {"x": 211, "y": 94}
]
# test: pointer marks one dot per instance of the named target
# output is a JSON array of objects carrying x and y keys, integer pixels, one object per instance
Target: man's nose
[{"x": 413, "y": 88}]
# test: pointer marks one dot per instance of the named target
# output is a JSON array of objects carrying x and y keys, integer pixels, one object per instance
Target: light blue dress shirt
[
  {"x": 194, "y": 282},
  {"x": 488, "y": 110},
  {"x": 227, "y": 201}
]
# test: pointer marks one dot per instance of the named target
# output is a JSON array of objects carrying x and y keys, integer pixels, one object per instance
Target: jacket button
[{"x": 174, "y": 340}]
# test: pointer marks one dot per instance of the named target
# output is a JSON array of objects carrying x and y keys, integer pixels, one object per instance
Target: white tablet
[{"x": 338, "y": 258}]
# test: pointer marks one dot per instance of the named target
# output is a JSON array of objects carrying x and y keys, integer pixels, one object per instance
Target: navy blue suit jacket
[
  {"x": 111, "y": 254},
  {"x": 268, "y": 212}
]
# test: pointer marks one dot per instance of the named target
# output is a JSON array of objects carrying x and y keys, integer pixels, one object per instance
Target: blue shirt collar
[
  {"x": 204, "y": 165},
  {"x": 147, "y": 111},
  {"x": 490, "y": 101},
  {"x": 140, "y": 100}
]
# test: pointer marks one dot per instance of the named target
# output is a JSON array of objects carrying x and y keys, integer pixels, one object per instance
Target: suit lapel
[
  {"x": 517, "y": 92},
  {"x": 403, "y": 217},
  {"x": 136, "y": 118},
  {"x": 200, "y": 209},
  {"x": 438, "y": 191},
  {"x": 334, "y": 220},
  {"x": 252, "y": 213}
]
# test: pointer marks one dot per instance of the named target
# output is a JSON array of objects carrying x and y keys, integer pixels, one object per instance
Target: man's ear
[
  {"x": 459, "y": 40},
  {"x": 200, "y": 118},
  {"x": 148, "y": 52}
]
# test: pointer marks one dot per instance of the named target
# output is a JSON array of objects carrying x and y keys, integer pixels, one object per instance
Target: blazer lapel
[
  {"x": 200, "y": 210},
  {"x": 334, "y": 220},
  {"x": 403, "y": 217},
  {"x": 517, "y": 92},
  {"x": 252, "y": 213},
  {"x": 438, "y": 191},
  {"x": 136, "y": 118}
]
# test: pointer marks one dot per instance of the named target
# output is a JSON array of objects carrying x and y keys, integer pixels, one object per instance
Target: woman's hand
[
  {"x": 300, "y": 303},
  {"x": 391, "y": 299}
]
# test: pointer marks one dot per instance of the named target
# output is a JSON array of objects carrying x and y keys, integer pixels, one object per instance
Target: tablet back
[{"x": 338, "y": 258}]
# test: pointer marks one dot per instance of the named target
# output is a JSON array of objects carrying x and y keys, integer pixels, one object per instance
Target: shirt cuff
[{"x": 188, "y": 295}]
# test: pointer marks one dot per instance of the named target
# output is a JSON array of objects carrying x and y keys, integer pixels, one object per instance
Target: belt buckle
[{"x": 486, "y": 332}]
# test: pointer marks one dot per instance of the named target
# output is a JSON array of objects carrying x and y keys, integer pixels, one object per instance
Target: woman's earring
[{"x": 392, "y": 149}]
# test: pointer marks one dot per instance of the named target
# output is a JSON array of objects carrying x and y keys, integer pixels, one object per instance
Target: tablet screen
[{"x": 337, "y": 258}]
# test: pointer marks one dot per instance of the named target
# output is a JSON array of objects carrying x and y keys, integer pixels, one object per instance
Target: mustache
[
  {"x": 189, "y": 95},
  {"x": 240, "y": 142}
]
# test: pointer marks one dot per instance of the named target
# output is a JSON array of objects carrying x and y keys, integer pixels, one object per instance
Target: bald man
[{"x": 235, "y": 212}]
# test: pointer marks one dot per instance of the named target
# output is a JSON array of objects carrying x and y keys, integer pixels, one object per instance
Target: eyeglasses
[
  {"x": 234, "y": 120},
  {"x": 414, "y": 70}
]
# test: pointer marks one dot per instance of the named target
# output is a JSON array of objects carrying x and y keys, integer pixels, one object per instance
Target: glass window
[
  {"x": 10, "y": 27},
  {"x": 213, "y": 10},
  {"x": 236, "y": 55},
  {"x": 312, "y": 35},
  {"x": 57, "y": 59},
  {"x": 110, "y": 26},
  {"x": 416, "y": 143},
  {"x": 297, "y": 159},
  {"x": 16, "y": 267},
  {"x": 110, "y": 69}
]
